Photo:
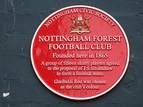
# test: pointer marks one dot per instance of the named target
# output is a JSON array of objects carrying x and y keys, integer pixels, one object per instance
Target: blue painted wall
[{"x": 19, "y": 86}]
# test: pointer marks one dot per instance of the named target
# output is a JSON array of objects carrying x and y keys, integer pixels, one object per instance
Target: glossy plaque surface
[{"x": 80, "y": 52}]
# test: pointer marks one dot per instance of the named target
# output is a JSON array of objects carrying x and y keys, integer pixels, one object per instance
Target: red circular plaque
[{"x": 80, "y": 52}]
